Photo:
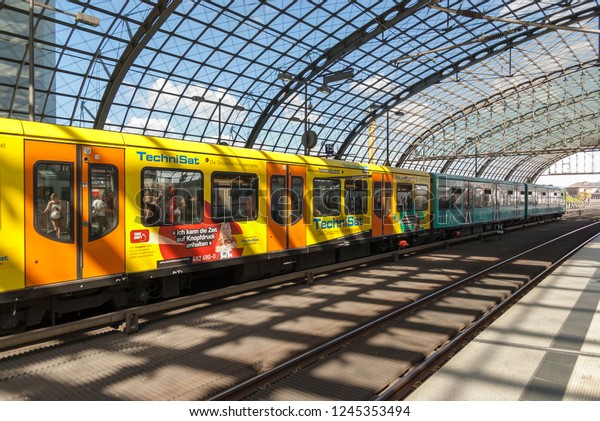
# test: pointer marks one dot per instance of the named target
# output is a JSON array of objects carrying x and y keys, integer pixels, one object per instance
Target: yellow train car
[{"x": 90, "y": 217}]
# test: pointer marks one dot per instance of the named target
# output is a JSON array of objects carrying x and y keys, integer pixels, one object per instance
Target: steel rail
[
  {"x": 404, "y": 385},
  {"x": 129, "y": 318},
  {"x": 241, "y": 389}
]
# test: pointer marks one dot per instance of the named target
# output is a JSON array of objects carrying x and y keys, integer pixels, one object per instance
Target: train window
[
  {"x": 355, "y": 197},
  {"x": 404, "y": 200},
  {"x": 456, "y": 197},
  {"x": 297, "y": 199},
  {"x": 53, "y": 190},
  {"x": 172, "y": 197},
  {"x": 234, "y": 196},
  {"x": 278, "y": 199},
  {"x": 421, "y": 197},
  {"x": 326, "y": 197},
  {"x": 103, "y": 190}
]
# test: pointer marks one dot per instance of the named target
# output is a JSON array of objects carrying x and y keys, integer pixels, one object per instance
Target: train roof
[
  {"x": 60, "y": 133},
  {"x": 487, "y": 180}
]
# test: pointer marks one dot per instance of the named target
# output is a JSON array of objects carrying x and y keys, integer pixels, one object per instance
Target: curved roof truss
[{"x": 501, "y": 89}]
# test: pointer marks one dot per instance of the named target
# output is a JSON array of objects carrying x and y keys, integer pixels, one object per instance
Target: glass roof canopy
[{"x": 501, "y": 89}]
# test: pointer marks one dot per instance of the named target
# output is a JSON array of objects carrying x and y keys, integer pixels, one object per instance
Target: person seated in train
[
  {"x": 179, "y": 211},
  {"x": 246, "y": 209},
  {"x": 151, "y": 210}
]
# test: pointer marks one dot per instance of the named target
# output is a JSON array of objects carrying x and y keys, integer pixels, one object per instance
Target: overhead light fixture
[
  {"x": 79, "y": 16},
  {"x": 345, "y": 74},
  {"x": 285, "y": 76},
  {"x": 87, "y": 19},
  {"x": 325, "y": 89}
]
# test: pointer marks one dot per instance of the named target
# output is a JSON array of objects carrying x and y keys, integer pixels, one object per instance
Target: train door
[
  {"x": 102, "y": 211},
  {"x": 383, "y": 218},
  {"x": 286, "y": 207},
  {"x": 66, "y": 240}
]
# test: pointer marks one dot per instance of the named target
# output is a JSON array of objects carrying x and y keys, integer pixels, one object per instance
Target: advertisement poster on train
[
  {"x": 209, "y": 241},
  {"x": 193, "y": 243}
]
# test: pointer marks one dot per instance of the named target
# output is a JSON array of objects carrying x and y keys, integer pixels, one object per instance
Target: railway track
[
  {"x": 128, "y": 320},
  {"x": 200, "y": 353},
  {"x": 486, "y": 294}
]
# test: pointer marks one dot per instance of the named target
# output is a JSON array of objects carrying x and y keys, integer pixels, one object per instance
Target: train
[{"x": 92, "y": 218}]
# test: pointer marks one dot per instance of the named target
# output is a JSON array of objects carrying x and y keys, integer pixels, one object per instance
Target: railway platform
[{"x": 544, "y": 348}]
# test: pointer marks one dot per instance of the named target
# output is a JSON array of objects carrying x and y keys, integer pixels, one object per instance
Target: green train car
[{"x": 470, "y": 205}]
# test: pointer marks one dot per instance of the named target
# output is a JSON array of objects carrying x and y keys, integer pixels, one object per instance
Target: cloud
[{"x": 142, "y": 125}]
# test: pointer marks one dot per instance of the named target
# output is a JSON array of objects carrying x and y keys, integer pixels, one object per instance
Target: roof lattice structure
[{"x": 501, "y": 89}]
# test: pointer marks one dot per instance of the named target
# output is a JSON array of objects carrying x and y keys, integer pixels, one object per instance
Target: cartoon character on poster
[{"x": 226, "y": 242}]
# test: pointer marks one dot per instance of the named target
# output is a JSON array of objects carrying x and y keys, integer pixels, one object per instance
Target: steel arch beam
[
  {"x": 537, "y": 174},
  {"x": 545, "y": 131},
  {"x": 367, "y": 32},
  {"x": 496, "y": 98},
  {"x": 454, "y": 68},
  {"x": 152, "y": 23}
]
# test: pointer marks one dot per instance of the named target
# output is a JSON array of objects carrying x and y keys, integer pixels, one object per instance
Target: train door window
[
  {"x": 53, "y": 201},
  {"x": 355, "y": 197},
  {"x": 297, "y": 199},
  {"x": 456, "y": 197},
  {"x": 387, "y": 205},
  {"x": 326, "y": 197},
  {"x": 172, "y": 197},
  {"x": 510, "y": 197},
  {"x": 478, "y": 197},
  {"x": 502, "y": 197},
  {"x": 443, "y": 197},
  {"x": 278, "y": 199},
  {"x": 382, "y": 208},
  {"x": 103, "y": 200},
  {"x": 404, "y": 199},
  {"x": 234, "y": 196},
  {"x": 377, "y": 205},
  {"x": 421, "y": 197}
]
